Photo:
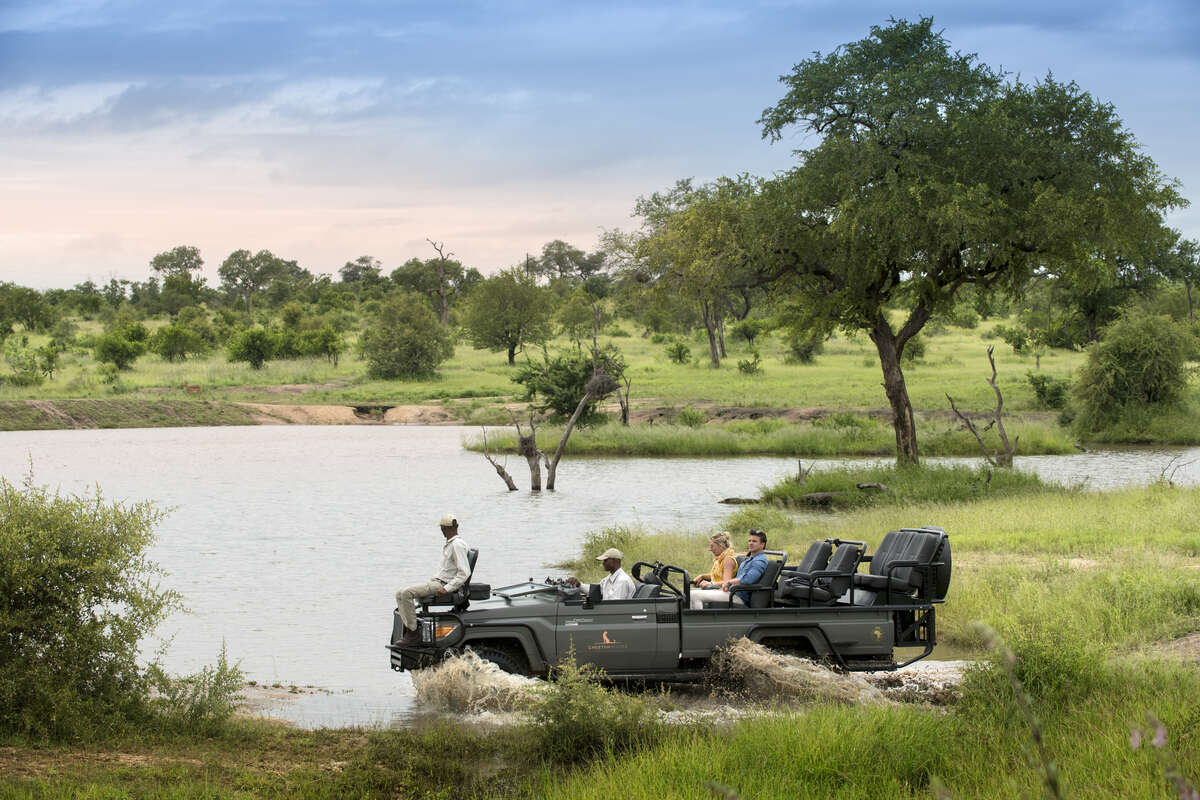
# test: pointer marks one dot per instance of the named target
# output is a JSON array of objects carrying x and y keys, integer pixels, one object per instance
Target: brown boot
[{"x": 410, "y": 637}]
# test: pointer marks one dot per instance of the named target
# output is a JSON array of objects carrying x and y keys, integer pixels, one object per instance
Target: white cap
[
  {"x": 448, "y": 521},
  {"x": 611, "y": 552}
]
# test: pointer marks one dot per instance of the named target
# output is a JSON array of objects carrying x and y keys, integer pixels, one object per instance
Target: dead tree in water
[
  {"x": 500, "y": 470},
  {"x": 996, "y": 458},
  {"x": 600, "y": 384},
  {"x": 527, "y": 447}
]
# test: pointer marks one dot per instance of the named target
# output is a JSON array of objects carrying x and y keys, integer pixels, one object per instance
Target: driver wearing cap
[{"x": 618, "y": 585}]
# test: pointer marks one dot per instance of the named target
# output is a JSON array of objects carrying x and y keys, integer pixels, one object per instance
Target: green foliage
[
  {"x": 926, "y": 484},
  {"x": 804, "y": 345},
  {"x": 79, "y": 594},
  {"x": 1051, "y": 392},
  {"x": 964, "y": 316},
  {"x": 562, "y": 381},
  {"x": 176, "y": 342},
  {"x": 577, "y": 718},
  {"x": 751, "y": 366},
  {"x": 255, "y": 346},
  {"x": 508, "y": 311},
  {"x": 117, "y": 349},
  {"x": 201, "y": 704},
  {"x": 23, "y": 361},
  {"x": 691, "y": 417},
  {"x": 1139, "y": 364},
  {"x": 750, "y": 329},
  {"x": 915, "y": 349},
  {"x": 1015, "y": 337},
  {"x": 405, "y": 340},
  {"x": 679, "y": 352}
]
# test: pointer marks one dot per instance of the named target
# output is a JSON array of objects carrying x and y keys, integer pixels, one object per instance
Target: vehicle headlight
[
  {"x": 433, "y": 630},
  {"x": 443, "y": 629}
]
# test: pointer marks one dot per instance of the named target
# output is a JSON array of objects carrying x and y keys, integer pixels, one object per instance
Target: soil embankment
[{"x": 142, "y": 412}]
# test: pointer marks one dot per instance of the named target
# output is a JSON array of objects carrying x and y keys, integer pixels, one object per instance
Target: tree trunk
[
  {"x": 1191, "y": 313},
  {"x": 721, "y": 336},
  {"x": 552, "y": 465},
  {"x": 710, "y": 328},
  {"x": 512, "y": 354},
  {"x": 527, "y": 446},
  {"x": 890, "y": 350}
]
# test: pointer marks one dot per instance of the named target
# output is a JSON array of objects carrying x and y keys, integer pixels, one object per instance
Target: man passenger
[
  {"x": 618, "y": 585},
  {"x": 454, "y": 572},
  {"x": 749, "y": 572}
]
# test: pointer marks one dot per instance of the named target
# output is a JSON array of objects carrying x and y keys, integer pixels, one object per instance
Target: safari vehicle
[{"x": 821, "y": 607}]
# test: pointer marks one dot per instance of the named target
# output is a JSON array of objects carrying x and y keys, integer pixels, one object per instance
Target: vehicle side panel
[{"x": 620, "y": 635}]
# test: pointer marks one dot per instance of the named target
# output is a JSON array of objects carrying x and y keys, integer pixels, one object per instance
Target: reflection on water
[{"x": 288, "y": 543}]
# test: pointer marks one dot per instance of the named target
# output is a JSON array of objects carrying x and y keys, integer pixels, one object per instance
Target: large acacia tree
[{"x": 930, "y": 171}]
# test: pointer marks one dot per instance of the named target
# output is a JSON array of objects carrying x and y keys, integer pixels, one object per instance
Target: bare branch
[{"x": 500, "y": 470}]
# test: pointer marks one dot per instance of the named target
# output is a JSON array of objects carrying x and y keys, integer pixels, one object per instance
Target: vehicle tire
[{"x": 504, "y": 659}]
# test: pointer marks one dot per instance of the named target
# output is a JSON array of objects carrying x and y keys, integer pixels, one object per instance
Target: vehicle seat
[
  {"x": 647, "y": 590},
  {"x": 460, "y": 598},
  {"x": 911, "y": 563},
  {"x": 762, "y": 592},
  {"x": 816, "y": 557},
  {"x": 824, "y": 586}
]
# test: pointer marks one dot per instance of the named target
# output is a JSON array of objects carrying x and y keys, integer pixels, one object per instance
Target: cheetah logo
[
  {"x": 607, "y": 640},
  {"x": 606, "y": 643}
]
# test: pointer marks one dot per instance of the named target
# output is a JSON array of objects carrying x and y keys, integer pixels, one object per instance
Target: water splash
[
  {"x": 769, "y": 675},
  {"x": 466, "y": 684}
]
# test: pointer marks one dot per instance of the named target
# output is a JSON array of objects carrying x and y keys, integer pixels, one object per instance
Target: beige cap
[
  {"x": 611, "y": 552},
  {"x": 448, "y": 521}
]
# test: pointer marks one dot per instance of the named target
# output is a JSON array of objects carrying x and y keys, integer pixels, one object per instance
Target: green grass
[
  {"x": 120, "y": 412},
  {"x": 837, "y": 435},
  {"x": 905, "y": 486}
]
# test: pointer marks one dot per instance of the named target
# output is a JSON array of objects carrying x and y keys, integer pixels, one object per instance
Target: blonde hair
[{"x": 724, "y": 538}]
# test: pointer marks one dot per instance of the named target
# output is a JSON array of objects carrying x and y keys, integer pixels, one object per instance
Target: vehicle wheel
[{"x": 503, "y": 659}]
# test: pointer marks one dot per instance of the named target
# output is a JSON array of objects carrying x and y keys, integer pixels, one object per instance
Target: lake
[{"x": 288, "y": 543}]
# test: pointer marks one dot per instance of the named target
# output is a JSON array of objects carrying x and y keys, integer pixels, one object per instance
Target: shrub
[
  {"x": 201, "y": 704},
  {"x": 176, "y": 342},
  {"x": 405, "y": 340},
  {"x": 914, "y": 349},
  {"x": 256, "y": 346},
  {"x": 963, "y": 316},
  {"x": 22, "y": 361},
  {"x": 691, "y": 416},
  {"x": 750, "y": 329},
  {"x": 79, "y": 594},
  {"x": 750, "y": 366},
  {"x": 114, "y": 348},
  {"x": 577, "y": 718},
  {"x": 679, "y": 352},
  {"x": 1016, "y": 338},
  {"x": 804, "y": 346},
  {"x": 1051, "y": 392},
  {"x": 1138, "y": 364},
  {"x": 322, "y": 342},
  {"x": 561, "y": 381}
]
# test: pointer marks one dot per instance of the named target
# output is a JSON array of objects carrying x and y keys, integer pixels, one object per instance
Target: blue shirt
[{"x": 750, "y": 571}]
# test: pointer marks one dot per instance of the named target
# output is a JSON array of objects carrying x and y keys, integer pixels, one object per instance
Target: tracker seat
[{"x": 461, "y": 597}]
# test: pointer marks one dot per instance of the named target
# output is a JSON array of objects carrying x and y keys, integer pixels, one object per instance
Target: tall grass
[{"x": 860, "y": 436}]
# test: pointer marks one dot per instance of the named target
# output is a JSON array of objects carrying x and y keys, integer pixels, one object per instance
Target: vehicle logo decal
[
  {"x": 607, "y": 644},
  {"x": 878, "y": 633}
]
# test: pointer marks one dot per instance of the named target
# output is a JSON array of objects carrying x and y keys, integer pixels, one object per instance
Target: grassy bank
[
  {"x": 119, "y": 412},
  {"x": 1082, "y": 585},
  {"x": 838, "y": 435}
]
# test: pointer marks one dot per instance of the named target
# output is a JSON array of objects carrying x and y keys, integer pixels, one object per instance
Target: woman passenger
[{"x": 724, "y": 568}]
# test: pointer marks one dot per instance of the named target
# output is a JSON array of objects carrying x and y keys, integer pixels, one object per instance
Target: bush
[
  {"x": 678, "y": 352},
  {"x": 118, "y": 350},
  {"x": 1051, "y": 392},
  {"x": 79, "y": 594},
  {"x": 561, "y": 381},
  {"x": 176, "y": 342},
  {"x": 22, "y": 361},
  {"x": 1016, "y": 338},
  {"x": 750, "y": 366},
  {"x": 750, "y": 329},
  {"x": 963, "y": 316},
  {"x": 691, "y": 416},
  {"x": 405, "y": 340},
  {"x": 804, "y": 346},
  {"x": 577, "y": 718},
  {"x": 1139, "y": 364},
  {"x": 914, "y": 349},
  {"x": 256, "y": 346},
  {"x": 198, "y": 705}
]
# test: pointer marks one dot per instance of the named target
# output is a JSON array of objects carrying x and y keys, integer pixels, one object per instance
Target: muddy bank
[{"x": 157, "y": 412}]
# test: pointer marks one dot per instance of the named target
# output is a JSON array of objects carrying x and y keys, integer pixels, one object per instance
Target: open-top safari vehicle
[{"x": 822, "y": 607}]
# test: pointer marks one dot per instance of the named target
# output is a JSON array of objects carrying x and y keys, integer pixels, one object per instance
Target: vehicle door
[{"x": 621, "y": 636}]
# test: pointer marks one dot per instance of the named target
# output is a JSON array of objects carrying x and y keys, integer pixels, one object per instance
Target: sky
[{"x": 324, "y": 131}]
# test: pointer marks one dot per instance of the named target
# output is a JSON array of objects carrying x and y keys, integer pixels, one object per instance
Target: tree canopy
[
  {"x": 931, "y": 172},
  {"x": 507, "y": 312}
]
